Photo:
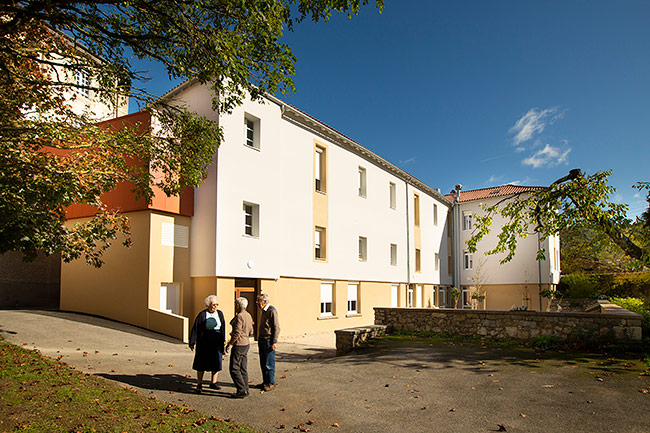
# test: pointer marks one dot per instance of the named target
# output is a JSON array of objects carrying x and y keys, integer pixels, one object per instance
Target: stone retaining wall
[
  {"x": 618, "y": 325},
  {"x": 349, "y": 338}
]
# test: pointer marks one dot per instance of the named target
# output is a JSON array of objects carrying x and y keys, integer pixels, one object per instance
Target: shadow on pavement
[{"x": 170, "y": 382}]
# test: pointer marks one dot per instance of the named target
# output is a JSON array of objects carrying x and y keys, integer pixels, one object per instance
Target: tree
[
  {"x": 52, "y": 156},
  {"x": 574, "y": 201}
]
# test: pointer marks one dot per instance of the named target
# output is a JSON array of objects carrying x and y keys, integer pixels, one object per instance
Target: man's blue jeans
[{"x": 267, "y": 360}]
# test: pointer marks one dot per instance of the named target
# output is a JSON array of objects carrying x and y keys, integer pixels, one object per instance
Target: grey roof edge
[{"x": 290, "y": 112}]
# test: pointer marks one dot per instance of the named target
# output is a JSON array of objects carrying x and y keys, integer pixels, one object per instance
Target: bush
[{"x": 592, "y": 286}]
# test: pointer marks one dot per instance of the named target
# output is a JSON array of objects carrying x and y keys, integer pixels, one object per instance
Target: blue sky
[{"x": 485, "y": 93}]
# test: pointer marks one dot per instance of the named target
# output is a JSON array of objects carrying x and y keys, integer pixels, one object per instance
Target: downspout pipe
[{"x": 408, "y": 236}]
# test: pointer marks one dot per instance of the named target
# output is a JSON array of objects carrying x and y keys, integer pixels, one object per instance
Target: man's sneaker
[{"x": 239, "y": 394}]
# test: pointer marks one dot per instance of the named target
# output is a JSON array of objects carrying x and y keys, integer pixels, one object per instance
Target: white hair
[
  {"x": 207, "y": 301},
  {"x": 263, "y": 297},
  {"x": 242, "y": 302}
]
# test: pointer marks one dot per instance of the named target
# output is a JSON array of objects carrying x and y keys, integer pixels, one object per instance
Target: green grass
[{"x": 38, "y": 394}]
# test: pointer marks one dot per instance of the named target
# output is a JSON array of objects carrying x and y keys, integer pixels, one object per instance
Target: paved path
[{"x": 392, "y": 387}]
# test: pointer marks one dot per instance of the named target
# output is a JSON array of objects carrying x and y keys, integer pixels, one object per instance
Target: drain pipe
[
  {"x": 456, "y": 224},
  {"x": 539, "y": 273},
  {"x": 408, "y": 238}
]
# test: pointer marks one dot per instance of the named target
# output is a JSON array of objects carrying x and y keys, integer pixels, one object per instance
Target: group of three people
[{"x": 208, "y": 336}]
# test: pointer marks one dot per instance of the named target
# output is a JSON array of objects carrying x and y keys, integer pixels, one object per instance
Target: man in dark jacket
[{"x": 267, "y": 337}]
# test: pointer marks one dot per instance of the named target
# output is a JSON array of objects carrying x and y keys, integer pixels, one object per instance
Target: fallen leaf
[
  {"x": 589, "y": 401},
  {"x": 282, "y": 409},
  {"x": 548, "y": 386},
  {"x": 171, "y": 365},
  {"x": 523, "y": 415},
  {"x": 335, "y": 424},
  {"x": 309, "y": 410},
  {"x": 501, "y": 427},
  {"x": 281, "y": 426},
  {"x": 453, "y": 409},
  {"x": 310, "y": 422}
]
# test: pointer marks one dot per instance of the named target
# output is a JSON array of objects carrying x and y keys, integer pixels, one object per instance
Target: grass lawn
[{"x": 38, "y": 394}]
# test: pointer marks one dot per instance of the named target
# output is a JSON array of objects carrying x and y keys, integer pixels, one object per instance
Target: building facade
[
  {"x": 485, "y": 283},
  {"x": 292, "y": 208}
]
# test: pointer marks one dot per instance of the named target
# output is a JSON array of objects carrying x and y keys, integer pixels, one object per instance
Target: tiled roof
[{"x": 495, "y": 191}]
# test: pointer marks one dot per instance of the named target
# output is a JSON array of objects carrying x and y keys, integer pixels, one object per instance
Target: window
[
  {"x": 409, "y": 296},
  {"x": 419, "y": 299},
  {"x": 174, "y": 235},
  {"x": 393, "y": 254},
  {"x": 319, "y": 243},
  {"x": 394, "y": 290},
  {"x": 362, "y": 182},
  {"x": 450, "y": 265},
  {"x": 82, "y": 81},
  {"x": 319, "y": 173},
  {"x": 468, "y": 260},
  {"x": 442, "y": 296},
  {"x": 363, "y": 249},
  {"x": 326, "y": 299},
  {"x": 353, "y": 296},
  {"x": 252, "y": 131},
  {"x": 251, "y": 219},
  {"x": 393, "y": 195},
  {"x": 416, "y": 209},
  {"x": 449, "y": 226},
  {"x": 467, "y": 220},
  {"x": 418, "y": 263},
  {"x": 556, "y": 264},
  {"x": 435, "y": 214},
  {"x": 436, "y": 263}
]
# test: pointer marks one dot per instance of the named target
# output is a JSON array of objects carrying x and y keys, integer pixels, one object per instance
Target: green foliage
[
  {"x": 577, "y": 200},
  {"x": 52, "y": 156},
  {"x": 592, "y": 286}
]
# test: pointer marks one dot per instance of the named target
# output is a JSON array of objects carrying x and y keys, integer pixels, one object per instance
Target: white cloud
[
  {"x": 408, "y": 161},
  {"x": 549, "y": 156},
  {"x": 637, "y": 195},
  {"x": 533, "y": 123}
]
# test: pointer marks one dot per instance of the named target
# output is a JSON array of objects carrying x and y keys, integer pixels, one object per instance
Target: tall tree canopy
[
  {"x": 576, "y": 201},
  {"x": 52, "y": 156}
]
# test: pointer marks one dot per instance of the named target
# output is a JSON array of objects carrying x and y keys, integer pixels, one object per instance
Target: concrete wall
[{"x": 621, "y": 325}]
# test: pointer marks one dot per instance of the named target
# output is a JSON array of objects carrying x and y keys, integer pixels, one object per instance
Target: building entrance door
[{"x": 247, "y": 288}]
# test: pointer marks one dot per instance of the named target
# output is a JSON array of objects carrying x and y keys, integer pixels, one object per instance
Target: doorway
[{"x": 248, "y": 288}]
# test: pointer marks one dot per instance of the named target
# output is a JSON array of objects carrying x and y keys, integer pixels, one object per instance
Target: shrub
[{"x": 638, "y": 306}]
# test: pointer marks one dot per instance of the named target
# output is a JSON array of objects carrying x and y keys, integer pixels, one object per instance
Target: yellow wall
[
  {"x": 503, "y": 297},
  {"x": 117, "y": 290}
]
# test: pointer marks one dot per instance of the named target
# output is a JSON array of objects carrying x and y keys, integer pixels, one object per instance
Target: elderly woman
[{"x": 208, "y": 335}]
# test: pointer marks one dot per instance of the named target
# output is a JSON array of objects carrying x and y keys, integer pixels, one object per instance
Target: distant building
[{"x": 501, "y": 286}]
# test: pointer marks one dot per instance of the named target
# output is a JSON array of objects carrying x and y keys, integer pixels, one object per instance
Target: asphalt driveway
[{"x": 392, "y": 386}]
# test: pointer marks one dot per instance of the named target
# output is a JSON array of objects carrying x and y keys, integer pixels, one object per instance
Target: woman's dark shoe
[
  {"x": 198, "y": 390},
  {"x": 214, "y": 386}
]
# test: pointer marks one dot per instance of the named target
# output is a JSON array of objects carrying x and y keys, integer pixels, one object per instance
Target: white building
[{"x": 518, "y": 282}]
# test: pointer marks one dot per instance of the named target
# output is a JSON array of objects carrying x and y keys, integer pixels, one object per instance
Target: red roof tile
[{"x": 495, "y": 191}]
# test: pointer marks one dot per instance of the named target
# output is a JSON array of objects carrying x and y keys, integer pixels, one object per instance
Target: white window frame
[
  {"x": 468, "y": 260},
  {"x": 326, "y": 299},
  {"x": 416, "y": 209},
  {"x": 82, "y": 81},
  {"x": 442, "y": 297},
  {"x": 436, "y": 263},
  {"x": 319, "y": 169},
  {"x": 409, "y": 296},
  {"x": 419, "y": 298},
  {"x": 251, "y": 127},
  {"x": 353, "y": 298},
  {"x": 362, "y": 181},
  {"x": 392, "y": 191},
  {"x": 394, "y": 295},
  {"x": 363, "y": 249},
  {"x": 320, "y": 243},
  {"x": 251, "y": 214},
  {"x": 393, "y": 254},
  {"x": 468, "y": 220}
]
